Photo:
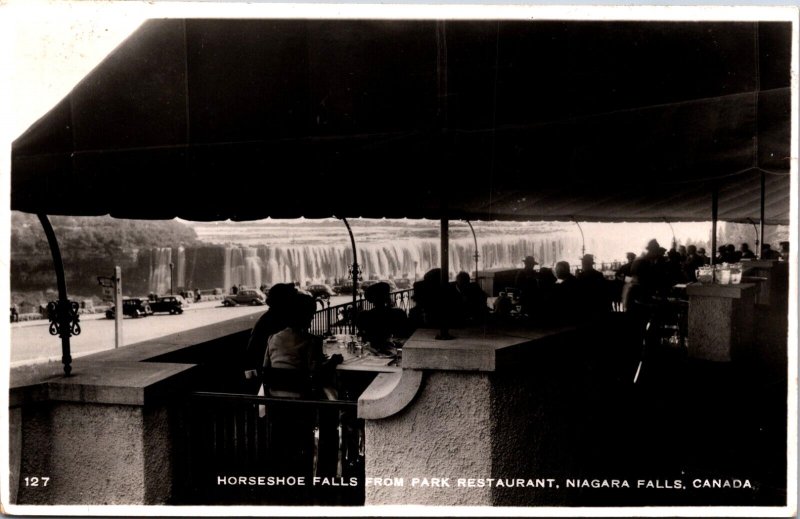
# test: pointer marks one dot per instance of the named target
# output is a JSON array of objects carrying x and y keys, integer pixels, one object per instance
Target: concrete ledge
[
  {"x": 474, "y": 349},
  {"x": 729, "y": 291},
  {"x": 137, "y": 374},
  {"x": 389, "y": 394}
]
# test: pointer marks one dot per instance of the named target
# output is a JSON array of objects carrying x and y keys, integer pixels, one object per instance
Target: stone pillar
[
  {"x": 94, "y": 454},
  {"x": 471, "y": 409},
  {"x": 102, "y": 436},
  {"x": 445, "y": 433},
  {"x": 721, "y": 321}
]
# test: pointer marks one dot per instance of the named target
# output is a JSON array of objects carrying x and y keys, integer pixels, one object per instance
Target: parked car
[
  {"x": 132, "y": 307},
  {"x": 369, "y": 282},
  {"x": 346, "y": 288},
  {"x": 171, "y": 304},
  {"x": 320, "y": 291},
  {"x": 245, "y": 297},
  {"x": 403, "y": 283}
]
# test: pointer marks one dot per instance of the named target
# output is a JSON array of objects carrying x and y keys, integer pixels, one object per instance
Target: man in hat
[
  {"x": 592, "y": 288},
  {"x": 527, "y": 285}
]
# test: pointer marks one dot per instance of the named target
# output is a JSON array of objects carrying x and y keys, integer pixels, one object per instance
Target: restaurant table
[{"x": 366, "y": 362}]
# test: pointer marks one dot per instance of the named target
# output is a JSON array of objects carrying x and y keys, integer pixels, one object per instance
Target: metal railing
[
  {"x": 231, "y": 435},
  {"x": 339, "y": 318}
]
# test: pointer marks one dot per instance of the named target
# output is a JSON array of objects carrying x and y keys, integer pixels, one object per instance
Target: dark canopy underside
[{"x": 517, "y": 120}]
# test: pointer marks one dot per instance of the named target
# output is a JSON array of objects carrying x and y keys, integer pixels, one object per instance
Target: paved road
[{"x": 31, "y": 342}]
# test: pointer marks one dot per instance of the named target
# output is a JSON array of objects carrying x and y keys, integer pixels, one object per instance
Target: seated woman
[
  {"x": 296, "y": 367},
  {"x": 379, "y": 324},
  {"x": 294, "y": 356},
  {"x": 279, "y": 299}
]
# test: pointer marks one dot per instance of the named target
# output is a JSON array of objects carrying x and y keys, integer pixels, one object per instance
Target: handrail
[
  {"x": 341, "y": 315},
  {"x": 242, "y": 397}
]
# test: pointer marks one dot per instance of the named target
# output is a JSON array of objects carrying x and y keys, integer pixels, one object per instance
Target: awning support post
[
  {"x": 477, "y": 254},
  {"x": 355, "y": 274},
  {"x": 63, "y": 314},
  {"x": 714, "y": 214},
  {"x": 444, "y": 333},
  {"x": 763, "y": 202}
]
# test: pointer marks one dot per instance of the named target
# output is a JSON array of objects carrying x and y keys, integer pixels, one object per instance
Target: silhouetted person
[
  {"x": 721, "y": 255},
  {"x": 767, "y": 253},
  {"x": 563, "y": 301},
  {"x": 434, "y": 303},
  {"x": 649, "y": 271},
  {"x": 731, "y": 254},
  {"x": 592, "y": 289},
  {"x": 674, "y": 268},
  {"x": 625, "y": 270},
  {"x": 296, "y": 367},
  {"x": 693, "y": 262},
  {"x": 275, "y": 319},
  {"x": 503, "y": 306},
  {"x": 746, "y": 253},
  {"x": 472, "y": 300},
  {"x": 378, "y": 324},
  {"x": 784, "y": 250},
  {"x": 701, "y": 253},
  {"x": 527, "y": 286}
]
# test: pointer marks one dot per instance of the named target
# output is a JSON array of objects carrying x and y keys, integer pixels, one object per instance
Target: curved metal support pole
[
  {"x": 583, "y": 239},
  {"x": 758, "y": 249},
  {"x": 355, "y": 273},
  {"x": 477, "y": 255},
  {"x": 63, "y": 322},
  {"x": 674, "y": 241}
]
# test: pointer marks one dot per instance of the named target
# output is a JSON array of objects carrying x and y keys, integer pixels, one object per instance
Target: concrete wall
[
  {"x": 445, "y": 432},
  {"x": 94, "y": 454}
]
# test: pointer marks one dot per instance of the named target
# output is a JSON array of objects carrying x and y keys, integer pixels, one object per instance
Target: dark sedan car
[
  {"x": 346, "y": 288},
  {"x": 245, "y": 297},
  {"x": 170, "y": 304},
  {"x": 132, "y": 307},
  {"x": 320, "y": 291}
]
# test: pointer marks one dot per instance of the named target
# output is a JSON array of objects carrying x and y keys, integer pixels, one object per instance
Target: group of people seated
[
  {"x": 456, "y": 304},
  {"x": 555, "y": 296}
]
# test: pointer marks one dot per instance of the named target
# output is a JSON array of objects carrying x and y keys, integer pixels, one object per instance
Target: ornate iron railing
[{"x": 339, "y": 318}]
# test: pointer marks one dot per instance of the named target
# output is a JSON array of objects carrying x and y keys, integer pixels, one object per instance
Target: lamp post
[{"x": 171, "y": 277}]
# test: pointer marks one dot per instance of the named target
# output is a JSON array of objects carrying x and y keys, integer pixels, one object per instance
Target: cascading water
[
  {"x": 257, "y": 265},
  {"x": 159, "y": 280}
]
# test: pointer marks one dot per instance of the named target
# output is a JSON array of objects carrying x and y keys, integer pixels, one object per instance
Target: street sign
[{"x": 108, "y": 293}]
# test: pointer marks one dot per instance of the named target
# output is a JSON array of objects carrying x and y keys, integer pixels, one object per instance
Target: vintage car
[
  {"x": 132, "y": 307},
  {"x": 245, "y": 297},
  {"x": 171, "y": 304},
  {"x": 320, "y": 291},
  {"x": 346, "y": 288}
]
